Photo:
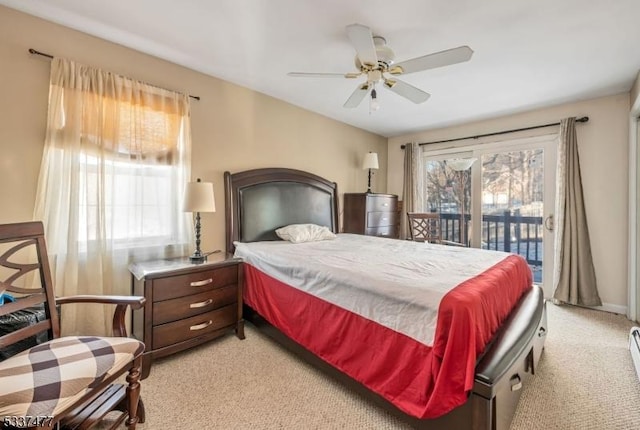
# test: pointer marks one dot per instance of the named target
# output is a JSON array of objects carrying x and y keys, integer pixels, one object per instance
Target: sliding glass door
[
  {"x": 504, "y": 201},
  {"x": 513, "y": 204}
]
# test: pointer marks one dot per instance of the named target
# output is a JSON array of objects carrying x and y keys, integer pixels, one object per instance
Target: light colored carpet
[{"x": 586, "y": 380}]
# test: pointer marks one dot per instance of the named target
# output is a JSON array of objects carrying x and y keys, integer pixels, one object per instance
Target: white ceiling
[{"x": 527, "y": 54}]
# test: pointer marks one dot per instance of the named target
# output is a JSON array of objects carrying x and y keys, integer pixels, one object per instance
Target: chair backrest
[
  {"x": 25, "y": 274},
  {"x": 425, "y": 227}
]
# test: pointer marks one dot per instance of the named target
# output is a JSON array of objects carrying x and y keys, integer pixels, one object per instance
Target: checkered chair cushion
[{"x": 46, "y": 379}]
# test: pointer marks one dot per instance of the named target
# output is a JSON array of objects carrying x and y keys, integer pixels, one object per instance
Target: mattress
[{"x": 406, "y": 319}]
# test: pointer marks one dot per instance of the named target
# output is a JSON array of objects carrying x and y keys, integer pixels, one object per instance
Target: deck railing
[{"x": 509, "y": 232}]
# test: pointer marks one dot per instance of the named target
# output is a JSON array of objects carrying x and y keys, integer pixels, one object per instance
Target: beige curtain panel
[
  {"x": 413, "y": 189},
  {"x": 574, "y": 276},
  {"x": 115, "y": 162}
]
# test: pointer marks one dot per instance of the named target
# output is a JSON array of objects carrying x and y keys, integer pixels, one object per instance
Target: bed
[{"x": 466, "y": 373}]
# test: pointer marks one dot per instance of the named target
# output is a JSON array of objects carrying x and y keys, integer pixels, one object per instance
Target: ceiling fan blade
[
  {"x": 362, "y": 40},
  {"x": 431, "y": 61},
  {"x": 323, "y": 75},
  {"x": 356, "y": 97},
  {"x": 407, "y": 91}
]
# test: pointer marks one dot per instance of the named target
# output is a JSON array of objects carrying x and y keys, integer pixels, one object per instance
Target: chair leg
[
  {"x": 124, "y": 405},
  {"x": 133, "y": 393},
  {"x": 141, "y": 412}
]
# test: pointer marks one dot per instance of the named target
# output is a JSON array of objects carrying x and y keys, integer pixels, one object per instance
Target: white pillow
[{"x": 299, "y": 233}]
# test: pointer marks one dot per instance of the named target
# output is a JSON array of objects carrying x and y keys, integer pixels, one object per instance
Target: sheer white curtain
[
  {"x": 413, "y": 189},
  {"x": 115, "y": 163}
]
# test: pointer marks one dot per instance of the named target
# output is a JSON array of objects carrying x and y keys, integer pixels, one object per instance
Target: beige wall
[
  {"x": 603, "y": 148},
  {"x": 233, "y": 128}
]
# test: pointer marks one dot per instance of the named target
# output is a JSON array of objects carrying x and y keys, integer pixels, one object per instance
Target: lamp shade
[
  {"x": 198, "y": 197},
  {"x": 370, "y": 161},
  {"x": 461, "y": 164}
]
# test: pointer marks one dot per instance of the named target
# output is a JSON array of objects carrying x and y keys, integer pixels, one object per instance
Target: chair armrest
[
  {"x": 121, "y": 302},
  {"x": 136, "y": 302}
]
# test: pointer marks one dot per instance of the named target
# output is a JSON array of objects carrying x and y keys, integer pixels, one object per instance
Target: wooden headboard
[{"x": 259, "y": 201}]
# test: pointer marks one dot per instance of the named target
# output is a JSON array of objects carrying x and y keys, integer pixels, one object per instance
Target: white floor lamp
[{"x": 462, "y": 166}]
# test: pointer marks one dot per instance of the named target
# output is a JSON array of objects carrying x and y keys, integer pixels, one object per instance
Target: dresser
[
  {"x": 187, "y": 304},
  {"x": 371, "y": 214}
]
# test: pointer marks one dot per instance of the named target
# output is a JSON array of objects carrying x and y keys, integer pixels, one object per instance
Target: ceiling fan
[{"x": 375, "y": 60}]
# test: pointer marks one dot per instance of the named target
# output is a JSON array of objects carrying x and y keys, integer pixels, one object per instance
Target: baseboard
[{"x": 608, "y": 307}]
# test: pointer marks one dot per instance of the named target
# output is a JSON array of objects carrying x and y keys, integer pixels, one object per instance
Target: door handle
[{"x": 548, "y": 223}]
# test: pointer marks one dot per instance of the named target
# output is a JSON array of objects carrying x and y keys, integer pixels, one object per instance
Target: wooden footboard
[{"x": 501, "y": 373}]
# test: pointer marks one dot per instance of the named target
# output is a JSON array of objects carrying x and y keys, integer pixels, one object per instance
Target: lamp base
[
  {"x": 197, "y": 258},
  {"x": 369, "y": 183}
]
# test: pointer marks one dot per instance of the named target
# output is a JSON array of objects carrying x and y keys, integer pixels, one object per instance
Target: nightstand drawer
[
  {"x": 381, "y": 204},
  {"x": 187, "y": 306},
  {"x": 174, "y": 332},
  {"x": 380, "y": 219},
  {"x": 193, "y": 283}
]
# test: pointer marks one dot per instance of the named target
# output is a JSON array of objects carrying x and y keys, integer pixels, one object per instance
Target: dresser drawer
[
  {"x": 380, "y": 219},
  {"x": 174, "y": 332},
  {"x": 188, "y": 306},
  {"x": 193, "y": 283},
  {"x": 384, "y": 231},
  {"x": 381, "y": 204}
]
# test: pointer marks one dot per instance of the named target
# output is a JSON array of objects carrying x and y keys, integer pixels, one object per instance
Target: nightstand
[{"x": 187, "y": 304}]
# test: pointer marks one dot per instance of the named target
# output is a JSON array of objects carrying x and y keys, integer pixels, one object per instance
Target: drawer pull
[
  {"x": 385, "y": 204},
  {"x": 201, "y": 304},
  {"x": 516, "y": 383},
  {"x": 201, "y": 283},
  {"x": 200, "y": 326},
  {"x": 542, "y": 332},
  {"x": 384, "y": 219}
]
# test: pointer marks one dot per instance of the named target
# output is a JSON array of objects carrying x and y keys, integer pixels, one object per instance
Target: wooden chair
[
  {"x": 427, "y": 227},
  {"x": 65, "y": 382}
]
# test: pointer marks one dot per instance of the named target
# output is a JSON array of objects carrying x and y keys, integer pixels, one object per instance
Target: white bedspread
[{"x": 398, "y": 284}]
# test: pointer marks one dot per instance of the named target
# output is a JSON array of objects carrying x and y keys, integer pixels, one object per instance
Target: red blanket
[{"x": 423, "y": 381}]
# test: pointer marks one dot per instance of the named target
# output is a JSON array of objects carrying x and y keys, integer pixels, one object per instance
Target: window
[
  {"x": 137, "y": 206},
  {"x": 120, "y": 148}
]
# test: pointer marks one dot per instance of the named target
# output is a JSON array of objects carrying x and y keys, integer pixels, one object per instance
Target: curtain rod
[
  {"x": 583, "y": 119},
  {"x": 34, "y": 52}
]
